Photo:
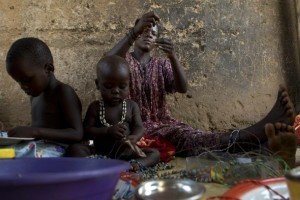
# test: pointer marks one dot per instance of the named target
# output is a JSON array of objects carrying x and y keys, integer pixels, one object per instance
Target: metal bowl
[{"x": 182, "y": 189}]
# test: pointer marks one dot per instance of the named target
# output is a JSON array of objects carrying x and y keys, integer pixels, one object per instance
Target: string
[
  {"x": 258, "y": 161},
  {"x": 198, "y": 149},
  {"x": 104, "y": 122}
]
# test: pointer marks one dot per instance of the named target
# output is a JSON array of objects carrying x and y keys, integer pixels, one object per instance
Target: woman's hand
[
  {"x": 23, "y": 131},
  {"x": 180, "y": 79},
  {"x": 147, "y": 20},
  {"x": 166, "y": 45}
]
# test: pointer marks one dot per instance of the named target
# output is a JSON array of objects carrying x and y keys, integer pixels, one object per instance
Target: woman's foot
[
  {"x": 282, "y": 141},
  {"x": 283, "y": 111}
]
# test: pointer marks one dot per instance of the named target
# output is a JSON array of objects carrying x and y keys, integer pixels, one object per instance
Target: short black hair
[
  {"x": 111, "y": 63},
  {"x": 29, "y": 48}
]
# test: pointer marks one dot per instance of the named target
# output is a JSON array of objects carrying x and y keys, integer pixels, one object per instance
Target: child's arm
[
  {"x": 93, "y": 132},
  {"x": 71, "y": 108},
  {"x": 137, "y": 124}
]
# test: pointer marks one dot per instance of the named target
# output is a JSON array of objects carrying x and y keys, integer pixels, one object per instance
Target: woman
[{"x": 153, "y": 78}]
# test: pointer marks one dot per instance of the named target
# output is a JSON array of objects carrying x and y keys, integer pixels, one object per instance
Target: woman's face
[{"x": 146, "y": 40}]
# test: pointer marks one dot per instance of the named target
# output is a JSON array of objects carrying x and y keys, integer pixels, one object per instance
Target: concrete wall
[{"x": 235, "y": 52}]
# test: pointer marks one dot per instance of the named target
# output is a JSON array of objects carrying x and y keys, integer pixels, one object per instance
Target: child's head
[
  {"x": 113, "y": 79},
  {"x": 29, "y": 62}
]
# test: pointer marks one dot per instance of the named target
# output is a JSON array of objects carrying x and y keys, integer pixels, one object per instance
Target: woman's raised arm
[{"x": 121, "y": 48}]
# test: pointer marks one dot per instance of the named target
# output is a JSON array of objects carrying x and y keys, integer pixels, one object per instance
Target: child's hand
[
  {"x": 147, "y": 20},
  {"x": 118, "y": 131},
  {"x": 22, "y": 131},
  {"x": 166, "y": 45},
  {"x": 133, "y": 139}
]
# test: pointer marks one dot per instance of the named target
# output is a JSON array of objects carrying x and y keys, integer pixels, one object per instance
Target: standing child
[
  {"x": 114, "y": 123},
  {"x": 55, "y": 107}
]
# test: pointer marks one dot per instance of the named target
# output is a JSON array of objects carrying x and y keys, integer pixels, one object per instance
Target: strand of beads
[{"x": 153, "y": 173}]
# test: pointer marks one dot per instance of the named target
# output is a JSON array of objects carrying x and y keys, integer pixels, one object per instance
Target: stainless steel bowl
[{"x": 182, "y": 189}]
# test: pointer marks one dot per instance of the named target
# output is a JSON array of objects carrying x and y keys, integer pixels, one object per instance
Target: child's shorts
[{"x": 37, "y": 149}]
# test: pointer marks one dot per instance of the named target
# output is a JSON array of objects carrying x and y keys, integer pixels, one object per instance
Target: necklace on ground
[{"x": 102, "y": 113}]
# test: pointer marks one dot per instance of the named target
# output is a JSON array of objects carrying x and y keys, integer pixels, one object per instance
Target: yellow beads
[{"x": 7, "y": 153}]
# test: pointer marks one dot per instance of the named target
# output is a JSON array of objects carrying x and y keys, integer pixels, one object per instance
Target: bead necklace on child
[{"x": 102, "y": 113}]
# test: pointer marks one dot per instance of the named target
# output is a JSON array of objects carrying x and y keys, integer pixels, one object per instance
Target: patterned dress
[{"x": 149, "y": 86}]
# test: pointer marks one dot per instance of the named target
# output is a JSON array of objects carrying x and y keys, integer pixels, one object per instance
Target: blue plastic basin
[{"x": 59, "y": 178}]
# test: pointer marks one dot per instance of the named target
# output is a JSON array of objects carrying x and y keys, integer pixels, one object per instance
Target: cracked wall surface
[{"x": 235, "y": 52}]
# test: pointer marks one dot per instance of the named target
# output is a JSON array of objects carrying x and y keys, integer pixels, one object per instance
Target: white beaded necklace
[{"x": 102, "y": 113}]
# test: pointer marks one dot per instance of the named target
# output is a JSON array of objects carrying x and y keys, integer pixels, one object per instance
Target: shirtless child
[
  {"x": 55, "y": 107},
  {"x": 114, "y": 121}
]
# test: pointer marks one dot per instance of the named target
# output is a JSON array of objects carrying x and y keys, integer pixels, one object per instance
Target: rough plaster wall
[{"x": 235, "y": 52}]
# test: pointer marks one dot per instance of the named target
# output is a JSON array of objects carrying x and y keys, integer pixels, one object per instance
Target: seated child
[
  {"x": 55, "y": 107},
  {"x": 113, "y": 123}
]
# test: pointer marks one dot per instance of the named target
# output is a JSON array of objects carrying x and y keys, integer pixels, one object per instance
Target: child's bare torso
[
  {"x": 47, "y": 111},
  {"x": 113, "y": 116}
]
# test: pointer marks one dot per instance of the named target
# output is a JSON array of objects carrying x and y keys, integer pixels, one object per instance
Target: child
[
  {"x": 55, "y": 107},
  {"x": 113, "y": 123}
]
